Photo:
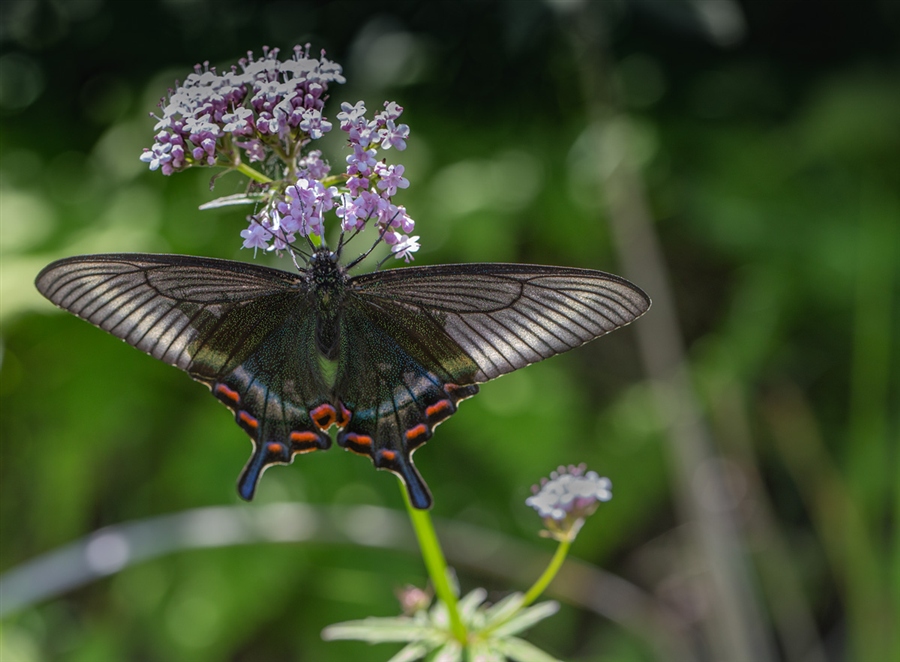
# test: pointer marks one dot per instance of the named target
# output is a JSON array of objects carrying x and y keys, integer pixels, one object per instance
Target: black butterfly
[{"x": 385, "y": 356}]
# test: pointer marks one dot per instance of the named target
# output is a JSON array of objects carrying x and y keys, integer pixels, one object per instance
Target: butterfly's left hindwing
[
  {"x": 277, "y": 393},
  {"x": 401, "y": 375}
]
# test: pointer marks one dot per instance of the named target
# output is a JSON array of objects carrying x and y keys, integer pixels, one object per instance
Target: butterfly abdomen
[{"x": 328, "y": 289}]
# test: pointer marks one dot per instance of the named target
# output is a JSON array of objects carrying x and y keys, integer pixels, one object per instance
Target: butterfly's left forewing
[
  {"x": 245, "y": 331},
  {"x": 507, "y": 316}
]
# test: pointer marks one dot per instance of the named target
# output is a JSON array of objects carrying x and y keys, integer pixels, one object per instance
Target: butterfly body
[{"x": 384, "y": 357}]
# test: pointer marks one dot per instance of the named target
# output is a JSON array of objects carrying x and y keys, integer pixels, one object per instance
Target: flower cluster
[
  {"x": 270, "y": 111},
  {"x": 211, "y": 119},
  {"x": 570, "y": 496},
  {"x": 363, "y": 201}
]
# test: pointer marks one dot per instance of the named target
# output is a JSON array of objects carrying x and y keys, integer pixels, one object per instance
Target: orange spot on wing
[
  {"x": 359, "y": 439},
  {"x": 416, "y": 432},
  {"x": 248, "y": 420},
  {"x": 388, "y": 455},
  {"x": 223, "y": 390},
  {"x": 438, "y": 407},
  {"x": 458, "y": 392},
  {"x": 324, "y": 416},
  {"x": 273, "y": 447},
  {"x": 304, "y": 437},
  {"x": 346, "y": 414}
]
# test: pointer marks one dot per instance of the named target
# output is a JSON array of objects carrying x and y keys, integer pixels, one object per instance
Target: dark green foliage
[{"x": 772, "y": 168}]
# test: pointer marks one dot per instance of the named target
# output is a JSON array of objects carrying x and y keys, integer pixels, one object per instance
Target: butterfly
[{"x": 384, "y": 357}]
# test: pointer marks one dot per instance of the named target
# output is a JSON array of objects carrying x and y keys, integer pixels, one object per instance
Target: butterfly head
[
  {"x": 325, "y": 272},
  {"x": 323, "y": 256}
]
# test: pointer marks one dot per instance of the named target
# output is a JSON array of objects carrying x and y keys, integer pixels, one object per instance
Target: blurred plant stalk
[{"x": 733, "y": 623}]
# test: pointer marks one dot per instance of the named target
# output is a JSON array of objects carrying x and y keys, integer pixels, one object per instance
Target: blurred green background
[{"x": 739, "y": 160}]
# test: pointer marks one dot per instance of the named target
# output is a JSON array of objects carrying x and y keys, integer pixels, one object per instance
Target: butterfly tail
[
  {"x": 419, "y": 494},
  {"x": 264, "y": 456}
]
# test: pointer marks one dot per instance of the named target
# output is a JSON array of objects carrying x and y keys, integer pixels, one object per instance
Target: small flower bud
[{"x": 413, "y": 599}]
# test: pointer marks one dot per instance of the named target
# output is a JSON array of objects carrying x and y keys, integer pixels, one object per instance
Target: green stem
[
  {"x": 252, "y": 173},
  {"x": 544, "y": 580},
  {"x": 435, "y": 563}
]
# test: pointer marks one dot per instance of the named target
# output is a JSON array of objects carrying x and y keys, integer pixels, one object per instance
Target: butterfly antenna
[
  {"x": 344, "y": 240},
  {"x": 340, "y": 244},
  {"x": 295, "y": 251},
  {"x": 369, "y": 252},
  {"x": 377, "y": 241},
  {"x": 386, "y": 258}
]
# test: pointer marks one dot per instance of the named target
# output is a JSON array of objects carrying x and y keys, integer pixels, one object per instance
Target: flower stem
[
  {"x": 549, "y": 573},
  {"x": 435, "y": 563},
  {"x": 252, "y": 173}
]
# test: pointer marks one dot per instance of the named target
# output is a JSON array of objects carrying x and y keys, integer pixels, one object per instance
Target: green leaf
[
  {"x": 469, "y": 604},
  {"x": 231, "y": 200},
  {"x": 411, "y": 652},
  {"x": 526, "y": 618},
  {"x": 377, "y": 630},
  {"x": 504, "y": 609},
  {"x": 521, "y": 651}
]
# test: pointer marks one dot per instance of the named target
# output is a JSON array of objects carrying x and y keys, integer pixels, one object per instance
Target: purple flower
[
  {"x": 314, "y": 124},
  {"x": 392, "y": 110},
  {"x": 314, "y": 165},
  {"x": 361, "y": 161},
  {"x": 265, "y": 97},
  {"x": 391, "y": 178},
  {"x": 348, "y": 211},
  {"x": 239, "y": 123},
  {"x": 350, "y": 116},
  {"x": 405, "y": 247},
  {"x": 394, "y": 136},
  {"x": 403, "y": 221},
  {"x": 303, "y": 206},
  {"x": 567, "y": 499},
  {"x": 357, "y": 185},
  {"x": 256, "y": 236},
  {"x": 253, "y": 149}
]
